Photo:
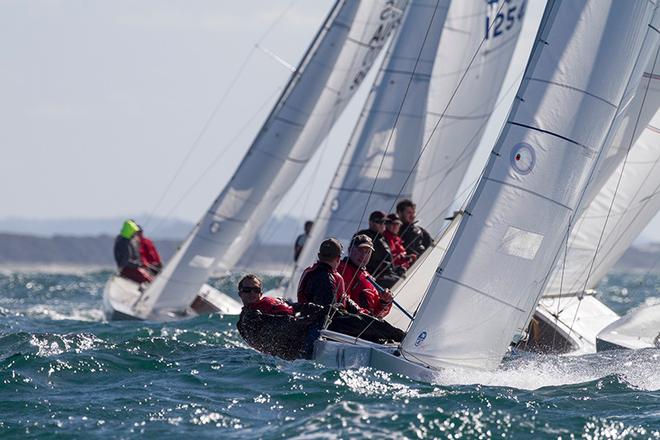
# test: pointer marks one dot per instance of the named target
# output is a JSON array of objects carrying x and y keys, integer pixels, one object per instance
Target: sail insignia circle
[
  {"x": 420, "y": 339},
  {"x": 214, "y": 227},
  {"x": 523, "y": 158}
]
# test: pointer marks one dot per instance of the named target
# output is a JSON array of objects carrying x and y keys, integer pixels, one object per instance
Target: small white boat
[
  {"x": 638, "y": 329},
  {"x": 122, "y": 299}
]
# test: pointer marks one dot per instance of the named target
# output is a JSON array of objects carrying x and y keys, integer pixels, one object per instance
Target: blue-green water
[{"x": 65, "y": 373}]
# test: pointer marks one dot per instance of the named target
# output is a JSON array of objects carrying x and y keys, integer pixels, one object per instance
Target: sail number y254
[{"x": 505, "y": 19}]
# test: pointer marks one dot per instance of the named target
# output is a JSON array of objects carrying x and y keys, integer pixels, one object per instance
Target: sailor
[
  {"x": 356, "y": 278},
  {"x": 381, "y": 264},
  {"x": 127, "y": 254},
  {"x": 399, "y": 255},
  {"x": 272, "y": 326},
  {"x": 321, "y": 283},
  {"x": 148, "y": 253},
  {"x": 302, "y": 238},
  {"x": 415, "y": 239}
]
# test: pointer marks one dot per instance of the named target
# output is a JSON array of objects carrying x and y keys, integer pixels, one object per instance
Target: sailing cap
[
  {"x": 330, "y": 248},
  {"x": 128, "y": 229},
  {"x": 393, "y": 218},
  {"x": 377, "y": 216},
  {"x": 362, "y": 240}
]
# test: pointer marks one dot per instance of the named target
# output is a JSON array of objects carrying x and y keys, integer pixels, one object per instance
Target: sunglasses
[
  {"x": 250, "y": 289},
  {"x": 378, "y": 221}
]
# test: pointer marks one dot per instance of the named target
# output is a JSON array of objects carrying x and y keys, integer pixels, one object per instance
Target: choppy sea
[{"x": 65, "y": 373}]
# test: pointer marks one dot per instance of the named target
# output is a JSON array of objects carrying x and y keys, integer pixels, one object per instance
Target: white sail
[
  {"x": 614, "y": 210},
  {"x": 383, "y": 148},
  {"x": 494, "y": 272},
  {"x": 318, "y": 91},
  {"x": 466, "y": 83}
]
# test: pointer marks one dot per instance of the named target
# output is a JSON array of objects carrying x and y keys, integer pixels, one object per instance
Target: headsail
[
  {"x": 384, "y": 145},
  {"x": 319, "y": 89},
  {"x": 495, "y": 269}
]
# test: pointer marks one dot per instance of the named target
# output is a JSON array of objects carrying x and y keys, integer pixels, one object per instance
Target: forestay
[
  {"x": 319, "y": 89},
  {"x": 388, "y": 136},
  {"x": 615, "y": 211},
  {"x": 474, "y": 55},
  {"x": 494, "y": 272}
]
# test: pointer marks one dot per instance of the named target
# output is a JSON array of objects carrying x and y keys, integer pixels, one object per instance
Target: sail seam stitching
[
  {"x": 550, "y": 133},
  {"x": 501, "y": 182},
  {"x": 566, "y": 86},
  {"x": 482, "y": 293}
]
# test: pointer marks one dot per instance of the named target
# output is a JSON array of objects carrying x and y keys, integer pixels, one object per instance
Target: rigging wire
[{"x": 221, "y": 101}]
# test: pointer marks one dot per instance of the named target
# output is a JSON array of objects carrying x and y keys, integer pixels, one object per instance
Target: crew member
[
  {"x": 127, "y": 254},
  {"x": 356, "y": 278},
  {"x": 302, "y": 238},
  {"x": 148, "y": 254},
  {"x": 399, "y": 255},
  {"x": 415, "y": 239},
  {"x": 271, "y": 325},
  {"x": 380, "y": 265}
]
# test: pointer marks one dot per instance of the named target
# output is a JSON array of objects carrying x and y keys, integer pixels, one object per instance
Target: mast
[
  {"x": 319, "y": 89},
  {"x": 495, "y": 269}
]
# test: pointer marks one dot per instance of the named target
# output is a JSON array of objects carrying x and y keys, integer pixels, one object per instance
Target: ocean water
[{"x": 65, "y": 373}]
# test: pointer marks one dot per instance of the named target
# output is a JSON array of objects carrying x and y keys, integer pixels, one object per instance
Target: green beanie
[{"x": 129, "y": 229}]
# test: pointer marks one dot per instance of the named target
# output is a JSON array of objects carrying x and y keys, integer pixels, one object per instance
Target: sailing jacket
[
  {"x": 399, "y": 255},
  {"x": 415, "y": 238},
  {"x": 361, "y": 290},
  {"x": 127, "y": 254},
  {"x": 271, "y": 306},
  {"x": 320, "y": 284},
  {"x": 148, "y": 253},
  {"x": 380, "y": 264}
]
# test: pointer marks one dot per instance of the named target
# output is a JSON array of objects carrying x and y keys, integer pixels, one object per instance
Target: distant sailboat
[
  {"x": 509, "y": 238},
  {"x": 319, "y": 89}
]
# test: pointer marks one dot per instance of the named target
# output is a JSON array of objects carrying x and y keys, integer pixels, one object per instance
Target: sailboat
[
  {"x": 512, "y": 231},
  {"x": 333, "y": 67}
]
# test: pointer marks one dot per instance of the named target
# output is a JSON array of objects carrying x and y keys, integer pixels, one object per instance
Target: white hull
[
  {"x": 638, "y": 329},
  {"x": 571, "y": 323},
  {"x": 335, "y": 350},
  {"x": 121, "y": 299}
]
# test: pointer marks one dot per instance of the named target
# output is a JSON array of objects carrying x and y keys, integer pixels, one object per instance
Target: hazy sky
[{"x": 103, "y": 102}]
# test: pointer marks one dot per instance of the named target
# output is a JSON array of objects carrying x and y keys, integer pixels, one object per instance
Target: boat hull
[
  {"x": 121, "y": 296},
  {"x": 638, "y": 329}
]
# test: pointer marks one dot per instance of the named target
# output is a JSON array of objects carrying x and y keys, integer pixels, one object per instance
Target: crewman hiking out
[
  {"x": 149, "y": 254},
  {"x": 127, "y": 254}
]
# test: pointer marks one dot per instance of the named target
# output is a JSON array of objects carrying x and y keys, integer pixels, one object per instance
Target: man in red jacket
[
  {"x": 249, "y": 290},
  {"x": 357, "y": 280},
  {"x": 148, "y": 253},
  {"x": 399, "y": 255}
]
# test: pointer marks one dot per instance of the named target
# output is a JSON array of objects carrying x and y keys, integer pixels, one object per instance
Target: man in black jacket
[
  {"x": 415, "y": 238},
  {"x": 380, "y": 265}
]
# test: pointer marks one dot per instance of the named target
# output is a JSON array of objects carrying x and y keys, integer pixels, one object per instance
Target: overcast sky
[{"x": 104, "y": 102}]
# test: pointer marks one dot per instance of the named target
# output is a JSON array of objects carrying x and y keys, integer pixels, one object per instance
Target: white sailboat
[
  {"x": 506, "y": 244},
  {"x": 423, "y": 120},
  {"x": 327, "y": 77}
]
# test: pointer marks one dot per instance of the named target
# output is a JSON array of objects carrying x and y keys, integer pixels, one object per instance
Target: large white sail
[
  {"x": 494, "y": 272},
  {"x": 384, "y": 146},
  {"x": 319, "y": 89},
  {"x": 464, "y": 56},
  {"x": 475, "y": 53},
  {"x": 587, "y": 254}
]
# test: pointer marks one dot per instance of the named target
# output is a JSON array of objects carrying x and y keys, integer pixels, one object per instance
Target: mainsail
[
  {"x": 440, "y": 122},
  {"x": 384, "y": 145},
  {"x": 587, "y": 257},
  {"x": 319, "y": 89},
  {"x": 495, "y": 270},
  {"x": 474, "y": 57}
]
